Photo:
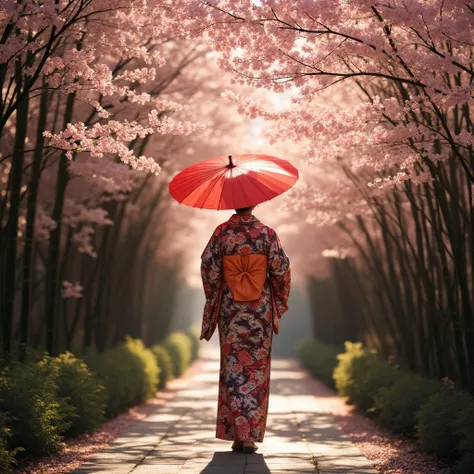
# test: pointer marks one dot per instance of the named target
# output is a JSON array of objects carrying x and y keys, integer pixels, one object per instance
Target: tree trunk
[
  {"x": 12, "y": 225},
  {"x": 30, "y": 223},
  {"x": 52, "y": 269}
]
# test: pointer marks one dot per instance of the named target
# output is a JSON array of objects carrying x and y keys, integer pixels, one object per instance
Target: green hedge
[
  {"x": 380, "y": 374},
  {"x": 318, "y": 358},
  {"x": 6, "y": 455},
  {"x": 445, "y": 427},
  {"x": 465, "y": 418},
  {"x": 47, "y": 398},
  {"x": 441, "y": 417},
  {"x": 179, "y": 346},
  {"x": 163, "y": 359},
  {"x": 397, "y": 406},
  {"x": 128, "y": 372},
  {"x": 465, "y": 425},
  {"x": 194, "y": 334},
  {"x": 41, "y": 402},
  {"x": 80, "y": 389},
  {"x": 34, "y": 414},
  {"x": 352, "y": 366}
]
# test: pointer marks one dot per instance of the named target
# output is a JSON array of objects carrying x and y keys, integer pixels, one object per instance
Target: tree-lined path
[
  {"x": 103, "y": 102},
  {"x": 179, "y": 438}
]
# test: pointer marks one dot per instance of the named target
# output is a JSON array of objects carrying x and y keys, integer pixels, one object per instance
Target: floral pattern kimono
[{"x": 245, "y": 327}]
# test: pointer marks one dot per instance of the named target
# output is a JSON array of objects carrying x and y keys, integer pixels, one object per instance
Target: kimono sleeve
[
  {"x": 211, "y": 274},
  {"x": 280, "y": 274}
]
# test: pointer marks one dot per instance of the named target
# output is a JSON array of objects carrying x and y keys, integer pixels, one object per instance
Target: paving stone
[
  {"x": 290, "y": 470},
  {"x": 213, "y": 470},
  {"x": 100, "y": 468},
  {"x": 345, "y": 470},
  {"x": 158, "y": 460},
  {"x": 221, "y": 459},
  {"x": 157, "y": 469}
]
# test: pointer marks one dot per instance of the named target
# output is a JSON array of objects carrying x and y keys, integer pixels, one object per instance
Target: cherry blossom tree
[
  {"x": 399, "y": 146},
  {"x": 87, "y": 89}
]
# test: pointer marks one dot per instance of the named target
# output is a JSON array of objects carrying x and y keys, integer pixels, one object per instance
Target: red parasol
[{"x": 233, "y": 183}]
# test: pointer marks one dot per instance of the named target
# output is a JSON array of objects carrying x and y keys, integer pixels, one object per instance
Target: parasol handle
[{"x": 231, "y": 164}]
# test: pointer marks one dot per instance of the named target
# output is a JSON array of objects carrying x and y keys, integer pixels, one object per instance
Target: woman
[{"x": 246, "y": 277}]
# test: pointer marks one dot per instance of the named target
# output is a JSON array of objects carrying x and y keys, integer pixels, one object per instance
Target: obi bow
[{"x": 245, "y": 275}]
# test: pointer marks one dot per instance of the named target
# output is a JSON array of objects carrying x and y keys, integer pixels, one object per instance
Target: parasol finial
[{"x": 231, "y": 164}]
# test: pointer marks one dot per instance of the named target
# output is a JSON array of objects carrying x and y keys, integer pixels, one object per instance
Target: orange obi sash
[{"x": 245, "y": 275}]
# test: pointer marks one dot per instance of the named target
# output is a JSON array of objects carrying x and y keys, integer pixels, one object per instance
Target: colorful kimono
[{"x": 245, "y": 327}]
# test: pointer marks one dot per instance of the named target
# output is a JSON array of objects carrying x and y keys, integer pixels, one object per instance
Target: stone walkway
[{"x": 179, "y": 437}]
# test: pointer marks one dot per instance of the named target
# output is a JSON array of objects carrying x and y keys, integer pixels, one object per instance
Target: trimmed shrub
[
  {"x": 178, "y": 345},
  {"x": 318, "y": 358},
  {"x": 149, "y": 371},
  {"x": 466, "y": 464},
  {"x": 80, "y": 389},
  {"x": 466, "y": 446},
  {"x": 353, "y": 365},
  {"x": 6, "y": 456},
  {"x": 34, "y": 414},
  {"x": 379, "y": 374},
  {"x": 128, "y": 372},
  {"x": 397, "y": 406},
  {"x": 112, "y": 368},
  {"x": 438, "y": 429},
  {"x": 165, "y": 364},
  {"x": 194, "y": 334},
  {"x": 441, "y": 417}
]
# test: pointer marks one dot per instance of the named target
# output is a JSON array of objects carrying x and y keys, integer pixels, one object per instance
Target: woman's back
[
  {"x": 244, "y": 235},
  {"x": 246, "y": 277}
]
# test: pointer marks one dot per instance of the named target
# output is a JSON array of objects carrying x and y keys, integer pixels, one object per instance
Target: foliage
[
  {"x": 165, "y": 364},
  {"x": 6, "y": 456},
  {"x": 128, "y": 372},
  {"x": 179, "y": 347},
  {"x": 35, "y": 416},
  {"x": 352, "y": 366},
  {"x": 357, "y": 373},
  {"x": 149, "y": 371},
  {"x": 439, "y": 420},
  {"x": 194, "y": 333},
  {"x": 379, "y": 374},
  {"x": 40, "y": 402},
  {"x": 466, "y": 447},
  {"x": 446, "y": 427},
  {"x": 397, "y": 406},
  {"x": 404, "y": 402},
  {"x": 466, "y": 464},
  {"x": 80, "y": 389},
  {"x": 318, "y": 358}
]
